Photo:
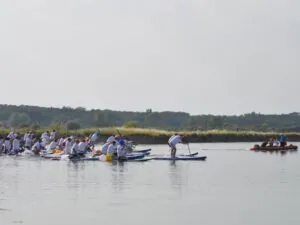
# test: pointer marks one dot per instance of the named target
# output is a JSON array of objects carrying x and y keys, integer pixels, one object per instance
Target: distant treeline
[{"x": 75, "y": 118}]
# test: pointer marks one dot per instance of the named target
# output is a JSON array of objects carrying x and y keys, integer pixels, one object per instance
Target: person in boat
[
  {"x": 173, "y": 141},
  {"x": 15, "y": 146},
  {"x": 121, "y": 151},
  {"x": 68, "y": 147},
  {"x": 276, "y": 143},
  {"x": 282, "y": 140},
  {"x": 37, "y": 147},
  {"x": 264, "y": 144},
  {"x": 271, "y": 142}
]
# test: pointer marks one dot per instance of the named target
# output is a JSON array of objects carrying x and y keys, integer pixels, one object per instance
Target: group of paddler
[{"x": 49, "y": 142}]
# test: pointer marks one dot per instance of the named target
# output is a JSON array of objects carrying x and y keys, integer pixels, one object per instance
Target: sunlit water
[{"x": 234, "y": 186}]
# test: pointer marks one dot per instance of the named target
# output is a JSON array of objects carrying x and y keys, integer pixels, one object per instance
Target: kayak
[{"x": 190, "y": 158}]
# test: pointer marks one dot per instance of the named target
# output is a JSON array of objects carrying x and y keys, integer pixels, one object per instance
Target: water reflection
[
  {"x": 118, "y": 176},
  {"x": 175, "y": 174},
  {"x": 72, "y": 181}
]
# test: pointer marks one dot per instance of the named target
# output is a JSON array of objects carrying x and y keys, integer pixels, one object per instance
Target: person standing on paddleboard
[{"x": 173, "y": 141}]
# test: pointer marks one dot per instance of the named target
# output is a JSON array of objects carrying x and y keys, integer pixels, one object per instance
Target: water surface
[{"x": 234, "y": 186}]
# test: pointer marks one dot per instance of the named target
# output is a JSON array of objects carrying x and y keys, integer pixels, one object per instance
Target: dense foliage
[{"x": 33, "y": 116}]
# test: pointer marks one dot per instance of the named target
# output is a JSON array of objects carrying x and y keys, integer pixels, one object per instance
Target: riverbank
[{"x": 154, "y": 136}]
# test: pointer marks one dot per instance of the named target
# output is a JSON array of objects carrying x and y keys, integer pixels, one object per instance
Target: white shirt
[
  {"x": 174, "y": 140},
  {"x": 112, "y": 149},
  {"x": 82, "y": 146},
  {"x": 52, "y": 145},
  {"x": 68, "y": 147},
  {"x": 171, "y": 138},
  {"x": 11, "y": 135},
  {"x": 121, "y": 151},
  {"x": 7, "y": 144},
  {"x": 37, "y": 146},
  {"x": 26, "y": 135},
  {"x": 105, "y": 148},
  {"x": 44, "y": 135},
  {"x": 52, "y": 136},
  {"x": 61, "y": 141},
  {"x": 94, "y": 137},
  {"x": 65, "y": 140},
  {"x": 16, "y": 144},
  {"x": 28, "y": 142},
  {"x": 75, "y": 148}
]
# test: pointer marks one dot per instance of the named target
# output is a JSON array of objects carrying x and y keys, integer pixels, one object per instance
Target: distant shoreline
[{"x": 155, "y": 136}]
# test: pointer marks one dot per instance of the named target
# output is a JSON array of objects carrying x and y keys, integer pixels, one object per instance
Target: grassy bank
[{"x": 154, "y": 136}]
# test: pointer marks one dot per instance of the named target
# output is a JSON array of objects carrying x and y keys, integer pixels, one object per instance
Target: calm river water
[{"x": 234, "y": 186}]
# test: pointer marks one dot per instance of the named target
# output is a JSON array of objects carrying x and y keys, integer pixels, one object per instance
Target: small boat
[
  {"x": 274, "y": 148},
  {"x": 186, "y": 158}
]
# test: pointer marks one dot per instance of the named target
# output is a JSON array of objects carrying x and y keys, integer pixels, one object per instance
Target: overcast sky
[{"x": 197, "y": 56}]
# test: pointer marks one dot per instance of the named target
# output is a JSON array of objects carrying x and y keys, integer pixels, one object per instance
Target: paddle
[
  {"x": 189, "y": 149},
  {"x": 119, "y": 132}
]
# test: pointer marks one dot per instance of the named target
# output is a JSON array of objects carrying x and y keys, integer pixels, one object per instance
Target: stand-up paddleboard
[
  {"x": 186, "y": 158},
  {"x": 192, "y": 154},
  {"x": 141, "y": 160}
]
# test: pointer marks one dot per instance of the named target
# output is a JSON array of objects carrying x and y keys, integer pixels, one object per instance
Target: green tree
[
  {"x": 16, "y": 119},
  {"x": 72, "y": 125}
]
